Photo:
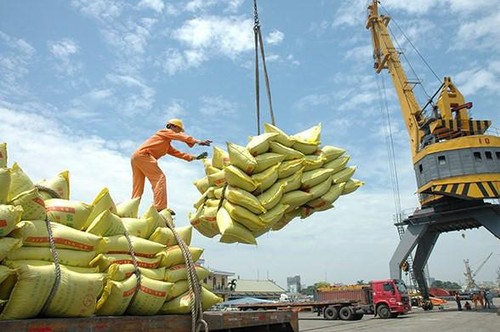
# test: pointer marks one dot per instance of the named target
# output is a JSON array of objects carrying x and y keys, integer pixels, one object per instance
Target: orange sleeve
[
  {"x": 181, "y": 155},
  {"x": 182, "y": 137}
]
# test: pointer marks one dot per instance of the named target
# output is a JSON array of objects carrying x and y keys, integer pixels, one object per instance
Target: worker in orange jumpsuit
[{"x": 144, "y": 160}]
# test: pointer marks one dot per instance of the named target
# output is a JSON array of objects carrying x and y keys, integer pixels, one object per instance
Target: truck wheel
[
  {"x": 346, "y": 313},
  {"x": 331, "y": 313},
  {"x": 357, "y": 316},
  {"x": 383, "y": 311}
]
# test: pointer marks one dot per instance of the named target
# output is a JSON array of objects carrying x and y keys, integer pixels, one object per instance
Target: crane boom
[{"x": 453, "y": 158}]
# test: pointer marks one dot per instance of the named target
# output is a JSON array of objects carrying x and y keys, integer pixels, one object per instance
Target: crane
[
  {"x": 456, "y": 162},
  {"x": 470, "y": 282}
]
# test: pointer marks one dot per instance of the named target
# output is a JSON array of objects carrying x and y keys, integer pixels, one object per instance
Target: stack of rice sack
[
  {"x": 110, "y": 261},
  {"x": 248, "y": 191}
]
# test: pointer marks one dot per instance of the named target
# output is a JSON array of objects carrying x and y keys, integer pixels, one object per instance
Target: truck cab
[{"x": 389, "y": 297}]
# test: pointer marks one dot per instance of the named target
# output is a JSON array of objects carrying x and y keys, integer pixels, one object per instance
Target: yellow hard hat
[{"x": 177, "y": 123}]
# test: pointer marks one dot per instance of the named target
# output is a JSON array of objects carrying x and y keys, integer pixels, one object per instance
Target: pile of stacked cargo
[
  {"x": 66, "y": 258},
  {"x": 250, "y": 190}
]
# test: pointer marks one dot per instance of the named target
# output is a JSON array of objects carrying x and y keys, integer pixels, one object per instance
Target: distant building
[
  {"x": 262, "y": 289},
  {"x": 293, "y": 284},
  {"x": 220, "y": 282}
]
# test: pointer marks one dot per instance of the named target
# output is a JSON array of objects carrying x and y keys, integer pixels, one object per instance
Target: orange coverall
[{"x": 144, "y": 163}]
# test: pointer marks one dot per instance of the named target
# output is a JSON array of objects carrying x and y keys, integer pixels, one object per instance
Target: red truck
[{"x": 385, "y": 298}]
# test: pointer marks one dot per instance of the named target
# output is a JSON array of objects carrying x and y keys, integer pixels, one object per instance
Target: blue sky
[{"x": 83, "y": 83}]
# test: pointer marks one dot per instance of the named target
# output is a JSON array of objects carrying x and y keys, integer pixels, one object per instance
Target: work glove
[
  {"x": 202, "y": 155},
  {"x": 206, "y": 142}
]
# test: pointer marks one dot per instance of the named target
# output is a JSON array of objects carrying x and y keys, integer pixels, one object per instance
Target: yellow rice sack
[
  {"x": 290, "y": 167},
  {"x": 343, "y": 175},
  {"x": 158, "y": 219},
  {"x": 321, "y": 188},
  {"x": 266, "y": 160},
  {"x": 139, "y": 227},
  {"x": 104, "y": 261},
  {"x": 9, "y": 217},
  {"x": 241, "y": 158},
  {"x": 282, "y": 137},
  {"x": 32, "y": 204},
  {"x": 352, "y": 185},
  {"x": 289, "y": 153},
  {"x": 244, "y": 216},
  {"x": 337, "y": 164},
  {"x": 182, "y": 303},
  {"x": 312, "y": 162},
  {"x": 30, "y": 292},
  {"x": 116, "y": 297},
  {"x": 232, "y": 231},
  {"x": 173, "y": 255},
  {"x": 165, "y": 235},
  {"x": 292, "y": 182},
  {"x": 245, "y": 199},
  {"x": 70, "y": 213},
  {"x": 7, "y": 244},
  {"x": 217, "y": 179},
  {"x": 128, "y": 208},
  {"x": 179, "y": 288},
  {"x": 212, "y": 202},
  {"x": 8, "y": 279},
  {"x": 260, "y": 144},
  {"x": 4, "y": 184},
  {"x": 286, "y": 219},
  {"x": 202, "y": 184},
  {"x": 314, "y": 177},
  {"x": 273, "y": 216},
  {"x": 203, "y": 222},
  {"x": 305, "y": 148},
  {"x": 106, "y": 224},
  {"x": 101, "y": 202},
  {"x": 220, "y": 158},
  {"x": 118, "y": 244},
  {"x": 19, "y": 182},
  {"x": 296, "y": 198},
  {"x": 330, "y": 152},
  {"x": 327, "y": 199},
  {"x": 3, "y": 155},
  {"x": 34, "y": 234},
  {"x": 237, "y": 178},
  {"x": 156, "y": 274},
  {"x": 271, "y": 196},
  {"x": 150, "y": 297},
  {"x": 266, "y": 179},
  {"x": 59, "y": 183},
  {"x": 120, "y": 272},
  {"x": 306, "y": 211},
  {"x": 309, "y": 136},
  {"x": 69, "y": 257},
  {"x": 76, "y": 295},
  {"x": 179, "y": 272}
]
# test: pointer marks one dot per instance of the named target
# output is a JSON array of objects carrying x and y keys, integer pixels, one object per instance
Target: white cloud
[
  {"x": 156, "y": 5},
  {"x": 63, "y": 50},
  {"x": 217, "y": 106},
  {"x": 275, "y": 37},
  {"x": 477, "y": 79}
]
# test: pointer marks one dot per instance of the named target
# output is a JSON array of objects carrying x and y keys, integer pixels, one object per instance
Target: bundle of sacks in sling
[
  {"x": 250, "y": 190},
  {"x": 66, "y": 258}
]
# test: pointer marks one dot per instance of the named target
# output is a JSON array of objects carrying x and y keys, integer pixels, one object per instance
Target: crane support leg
[
  {"x": 422, "y": 254},
  {"x": 408, "y": 242},
  {"x": 490, "y": 220}
]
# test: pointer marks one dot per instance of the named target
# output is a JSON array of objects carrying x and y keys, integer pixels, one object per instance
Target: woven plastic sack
[
  {"x": 309, "y": 136},
  {"x": 290, "y": 167},
  {"x": 182, "y": 303},
  {"x": 107, "y": 224},
  {"x": 139, "y": 227},
  {"x": 9, "y": 217},
  {"x": 7, "y": 244},
  {"x": 149, "y": 298},
  {"x": 158, "y": 219},
  {"x": 204, "y": 221},
  {"x": 272, "y": 216},
  {"x": 352, "y": 185},
  {"x": 101, "y": 202},
  {"x": 8, "y": 279},
  {"x": 118, "y": 244},
  {"x": 286, "y": 219},
  {"x": 314, "y": 177},
  {"x": 312, "y": 162},
  {"x": 217, "y": 179},
  {"x": 128, "y": 208},
  {"x": 330, "y": 152},
  {"x": 173, "y": 255},
  {"x": 179, "y": 272},
  {"x": 337, "y": 164},
  {"x": 232, "y": 231},
  {"x": 266, "y": 160},
  {"x": 244, "y": 216},
  {"x": 327, "y": 199},
  {"x": 66, "y": 257},
  {"x": 272, "y": 196},
  {"x": 103, "y": 261},
  {"x": 220, "y": 158},
  {"x": 343, "y": 175},
  {"x": 245, "y": 199},
  {"x": 3, "y": 155},
  {"x": 59, "y": 184},
  {"x": 266, "y": 179},
  {"x": 116, "y": 297},
  {"x": 289, "y": 153},
  {"x": 282, "y": 137},
  {"x": 165, "y": 235},
  {"x": 292, "y": 182},
  {"x": 179, "y": 288},
  {"x": 70, "y": 213},
  {"x": 4, "y": 184},
  {"x": 260, "y": 144},
  {"x": 296, "y": 198},
  {"x": 19, "y": 182},
  {"x": 321, "y": 188},
  {"x": 32, "y": 203},
  {"x": 237, "y": 178},
  {"x": 34, "y": 234},
  {"x": 241, "y": 158},
  {"x": 202, "y": 184}
]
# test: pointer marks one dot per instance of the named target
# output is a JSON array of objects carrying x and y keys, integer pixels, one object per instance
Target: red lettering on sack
[
  {"x": 65, "y": 209},
  {"x": 3, "y": 223}
]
